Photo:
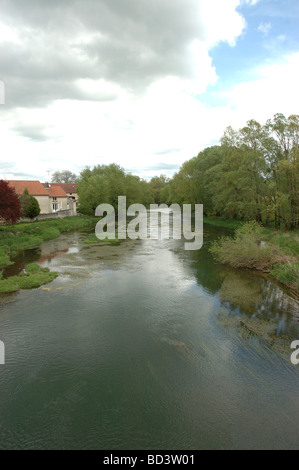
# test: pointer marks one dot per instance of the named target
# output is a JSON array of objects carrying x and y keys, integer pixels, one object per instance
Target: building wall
[
  {"x": 71, "y": 204},
  {"x": 44, "y": 204},
  {"x": 61, "y": 203},
  {"x": 73, "y": 195}
]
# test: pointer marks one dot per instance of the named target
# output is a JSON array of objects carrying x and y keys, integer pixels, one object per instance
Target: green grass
[
  {"x": 92, "y": 239},
  {"x": 245, "y": 250},
  {"x": 35, "y": 276},
  {"x": 288, "y": 242},
  {"x": 31, "y": 234},
  {"x": 287, "y": 273},
  {"x": 221, "y": 222},
  {"x": 4, "y": 257},
  {"x": 255, "y": 247}
]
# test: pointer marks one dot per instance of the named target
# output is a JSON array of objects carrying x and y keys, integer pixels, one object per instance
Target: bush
[
  {"x": 287, "y": 273},
  {"x": 29, "y": 205},
  {"x": 245, "y": 249}
]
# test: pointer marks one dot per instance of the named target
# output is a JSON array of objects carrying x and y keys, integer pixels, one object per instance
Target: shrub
[
  {"x": 287, "y": 273},
  {"x": 245, "y": 249}
]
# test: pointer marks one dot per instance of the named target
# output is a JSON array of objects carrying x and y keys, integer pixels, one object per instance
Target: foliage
[
  {"x": 10, "y": 207},
  {"x": 104, "y": 183},
  {"x": 92, "y": 239},
  {"x": 287, "y": 273},
  {"x": 34, "y": 276},
  {"x": 245, "y": 249},
  {"x": 65, "y": 176},
  {"x": 252, "y": 175},
  {"x": 32, "y": 234},
  {"x": 29, "y": 205},
  {"x": 156, "y": 185}
]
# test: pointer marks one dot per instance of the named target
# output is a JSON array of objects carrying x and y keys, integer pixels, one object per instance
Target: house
[
  {"x": 69, "y": 188},
  {"x": 36, "y": 189},
  {"x": 58, "y": 199},
  {"x": 51, "y": 199}
]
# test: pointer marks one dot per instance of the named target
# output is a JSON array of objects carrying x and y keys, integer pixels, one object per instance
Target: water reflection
[{"x": 147, "y": 346}]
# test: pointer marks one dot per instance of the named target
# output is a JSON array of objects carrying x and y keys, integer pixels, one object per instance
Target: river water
[{"x": 141, "y": 346}]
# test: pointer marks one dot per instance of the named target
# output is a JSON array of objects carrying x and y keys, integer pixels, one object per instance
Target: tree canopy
[
  {"x": 64, "y": 176},
  {"x": 10, "y": 207},
  {"x": 252, "y": 175}
]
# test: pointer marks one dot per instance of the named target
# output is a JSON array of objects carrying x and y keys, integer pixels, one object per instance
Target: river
[{"x": 141, "y": 346}]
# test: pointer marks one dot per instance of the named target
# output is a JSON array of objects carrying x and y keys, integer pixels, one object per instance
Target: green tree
[
  {"x": 29, "y": 205},
  {"x": 157, "y": 183}
]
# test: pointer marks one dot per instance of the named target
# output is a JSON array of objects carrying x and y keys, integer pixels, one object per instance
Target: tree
[
  {"x": 104, "y": 183},
  {"x": 10, "y": 207},
  {"x": 157, "y": 183},
  {"x": 29, "y": 205},
  {"x": 65, "y": 176}
]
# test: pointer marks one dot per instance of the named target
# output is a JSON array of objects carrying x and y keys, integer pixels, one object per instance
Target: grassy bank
[
  {"x": 221, "y": 222},
  {"x": 255, "y": 247},
  {"x": 32, "y": 277},
  {"x": 14, "y": 238}
]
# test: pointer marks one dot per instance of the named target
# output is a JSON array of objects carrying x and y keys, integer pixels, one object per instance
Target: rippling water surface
[{"x": 139, "y": 346}]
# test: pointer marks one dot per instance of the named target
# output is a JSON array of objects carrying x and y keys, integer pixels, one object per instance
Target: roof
[
  {"x": 35, "y": 188},
  {"x": 54, "y": 191},
  {"x": 67, "y": 187}
]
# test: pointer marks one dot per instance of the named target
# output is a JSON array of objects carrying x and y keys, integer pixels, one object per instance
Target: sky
[{"x": 144, "y": 84}]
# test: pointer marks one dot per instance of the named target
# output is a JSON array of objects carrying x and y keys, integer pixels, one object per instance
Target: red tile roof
[
  {"x": 67, "y": 187},
  {"x": 35, "y": 188},
  {"x": 54, "y": 191}
]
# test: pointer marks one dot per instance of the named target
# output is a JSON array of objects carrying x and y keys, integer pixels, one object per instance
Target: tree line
[{"x": 252, "y": 175}]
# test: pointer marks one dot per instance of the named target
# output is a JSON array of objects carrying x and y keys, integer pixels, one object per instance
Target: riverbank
[
  {"x": 27, "y": 235},
  {"x": 263, "y": 249},
  {"x": 221, "y": 222}
]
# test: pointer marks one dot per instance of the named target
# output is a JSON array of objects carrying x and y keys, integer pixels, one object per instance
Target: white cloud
[
  {"x": 264, "y": 28},
  {"x": 89, "y": 118},
  {"x": 274, "y": 90}
]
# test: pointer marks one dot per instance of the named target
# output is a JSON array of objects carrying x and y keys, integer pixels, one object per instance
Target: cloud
[
  {"x": 272, "y": 91},
  {"x": 49, "y": 49},
  {"x": 167, "y": 151},
  {"x": 264, "y": 28},
  {"x": 35, "y": 132},
  {"x": 111, "y": 80},
  {"x": 8, "y": 170}
]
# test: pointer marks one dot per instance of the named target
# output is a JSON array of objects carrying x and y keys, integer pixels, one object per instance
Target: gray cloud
[
  {"x": 32, "y": 132},
  {"x": 163, "y": 167},
  {"x": 131, "y": 43},
  {"x": 6, "y": 166},
  {"x": 166, "y": 151},
  {"x": 9, "y": 170}
]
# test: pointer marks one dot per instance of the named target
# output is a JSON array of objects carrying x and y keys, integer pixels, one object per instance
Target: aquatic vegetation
[
  {"x": 242, "y": 292},
  {"x": 264, "y": 330},
  {"x": 4, "y": 257},
  {"x": 92, "y": 239},
  {"x": 250, "y": 248},
  {"x": 32, "y": 277},
  {"x": 30, "y": 235}
]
